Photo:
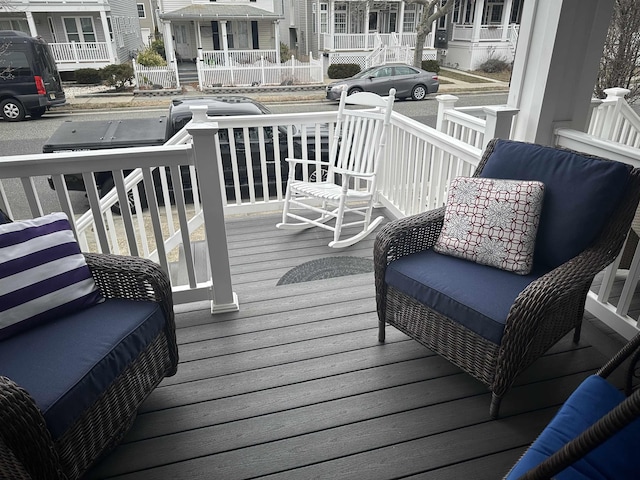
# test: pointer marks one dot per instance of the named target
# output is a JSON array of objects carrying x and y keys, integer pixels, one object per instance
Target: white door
[{"x": 182, "y": 43}]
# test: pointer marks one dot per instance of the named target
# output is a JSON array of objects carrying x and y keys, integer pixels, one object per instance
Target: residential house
[
  {"x": 353, "y": 31},
  {"x": 148, "y": 17},
  {"x": 222, "y": 31},
  {"x": 87, "y": 34}
]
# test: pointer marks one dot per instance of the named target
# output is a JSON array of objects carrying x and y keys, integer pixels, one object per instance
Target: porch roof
[{"x": 221, "y": 12}]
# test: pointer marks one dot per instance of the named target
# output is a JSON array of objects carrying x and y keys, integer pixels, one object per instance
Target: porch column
[
  {"x": 169, "y": 47},
  {"x": 400, "y": 19},
  {"x": 506, "y": 19},
  {"x": 276, "y": 27},
  {"x": 107, "y": 36},
  {"x": 477, "y": 20},
  {"x": 225, "y": 42},
  {"x": 33, "y": 30},
  {"x": 556, "y": 65}
]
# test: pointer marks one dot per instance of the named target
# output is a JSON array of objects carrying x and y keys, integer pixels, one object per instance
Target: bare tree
[
  {"x": 432, "y": 10},
  {"x": 621, "y": 54}
]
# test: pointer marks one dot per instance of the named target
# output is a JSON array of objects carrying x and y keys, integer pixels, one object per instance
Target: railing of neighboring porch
[
  {"x": 221, "y": 58},
  {"x": 80, "y": 52},
  {"x": 368, "y": 41},
  {"x": 487, "y": 33}
]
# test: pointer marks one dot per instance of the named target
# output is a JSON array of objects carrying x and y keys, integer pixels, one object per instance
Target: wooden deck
[{"x": 296, "y": 386}]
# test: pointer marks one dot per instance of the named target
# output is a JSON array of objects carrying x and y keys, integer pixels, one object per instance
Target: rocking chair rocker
[{"x": 346, "y": 183}]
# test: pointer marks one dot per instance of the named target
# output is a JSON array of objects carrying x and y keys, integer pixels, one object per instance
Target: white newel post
[
  {"x": 445, "y": 102},
  {"x": 499, "y": 120},
  {"x": 202, "y": 131}
]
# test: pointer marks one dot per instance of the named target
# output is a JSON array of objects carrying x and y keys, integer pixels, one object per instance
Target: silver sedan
[{"x": 409, "y": 82}]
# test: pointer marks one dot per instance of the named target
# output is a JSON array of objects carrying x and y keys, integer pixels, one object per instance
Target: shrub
[
  {"x": 431, "y": 66},
  {"x": 494, "y": 65},
  {"x": 150, "y": 58},
  {"x": 86, "y": 76},
  {"x": 157, "y": 45},
  {"x": 342, "y": 70},
  {"x": 117, "y": 75},
  {"x": 285, "y": 52}
]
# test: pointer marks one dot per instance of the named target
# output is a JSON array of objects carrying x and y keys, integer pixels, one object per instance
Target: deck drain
[{"x": 327, "y": 268}]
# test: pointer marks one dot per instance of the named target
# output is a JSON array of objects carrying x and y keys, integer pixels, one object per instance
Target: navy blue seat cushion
[
  {"x": 614, "y": 459},
  {"x": 476, "y": 296},
  {"x": 580, "y": 194},
  {"x": 66, "y": 364}
]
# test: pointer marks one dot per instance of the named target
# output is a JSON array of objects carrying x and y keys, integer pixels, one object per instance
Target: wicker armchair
[
  {"x": 27, "y": 448},
  {"x": 589, "y": 436},
  {"x": 538, "y": 315}
]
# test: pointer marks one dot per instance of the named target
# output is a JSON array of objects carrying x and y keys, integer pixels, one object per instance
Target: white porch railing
[
  {"x": 368, "y": 41},
  {"x": 487, "y": 33},
  {"x": 389, "y": 54},
  {"x": 165, "y": 76},
  {"x": 219, "y": 58},
  {"x": 261, "y": 72},
  {"x": 85, "y": 52}
]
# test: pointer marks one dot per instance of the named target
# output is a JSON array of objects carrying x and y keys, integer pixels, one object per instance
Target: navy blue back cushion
[
  {"x": 66, "y": 364},
  {"x": 581, "y": 193}
]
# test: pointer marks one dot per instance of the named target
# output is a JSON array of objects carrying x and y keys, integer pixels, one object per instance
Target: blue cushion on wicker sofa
[
  {"x": 580, "y": 196},
  {"x": 615, "y": 458},
  {"x": 66, "y": 364},
  {"x": 477, "y": 296}
]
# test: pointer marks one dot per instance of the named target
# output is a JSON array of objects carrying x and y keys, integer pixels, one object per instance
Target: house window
[
  {"x": 141, "y": 12},
  {"x": 110, "y": 27},
  {"x": 409, "y": 21},
  {"x": 14, "y": 24},
  {"x": 324, "y": 18},
  {"x": 79, "y": 29},
  {"x": 340, "y": 23},
  {"x": 493, "y": 11},
  {"x": 238, "y": 35}
]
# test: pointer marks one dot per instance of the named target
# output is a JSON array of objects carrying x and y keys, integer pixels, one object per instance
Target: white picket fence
[
  {"x": 152, "y": 77},
  {"x": 261, "y": 72}
]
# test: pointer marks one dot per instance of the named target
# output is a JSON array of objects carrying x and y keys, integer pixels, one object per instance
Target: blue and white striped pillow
[{"x": 43, "y": 275}]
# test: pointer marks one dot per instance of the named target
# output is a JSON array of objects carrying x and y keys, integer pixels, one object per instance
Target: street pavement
[{"x": 77, "y": 100}]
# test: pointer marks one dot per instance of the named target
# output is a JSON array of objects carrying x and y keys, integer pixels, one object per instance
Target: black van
[{"x": 29, "y": 79}]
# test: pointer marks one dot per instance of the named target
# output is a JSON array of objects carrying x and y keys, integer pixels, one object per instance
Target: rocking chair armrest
[
  {"x": 302, "y": 161},
  {"x": 25, "y": 435},
  {"x": 351, "y": 173}
]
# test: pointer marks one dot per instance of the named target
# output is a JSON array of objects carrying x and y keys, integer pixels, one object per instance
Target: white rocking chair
[{"x": 346, "y": 183}]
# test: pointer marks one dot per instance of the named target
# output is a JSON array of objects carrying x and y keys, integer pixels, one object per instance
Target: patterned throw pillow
[
  {"x": 43, "y": 275},
  {"x": 492, "y": 222}
]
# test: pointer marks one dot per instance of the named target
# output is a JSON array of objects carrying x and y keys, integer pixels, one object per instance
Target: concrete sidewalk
[{"x": 77, "y": 100}]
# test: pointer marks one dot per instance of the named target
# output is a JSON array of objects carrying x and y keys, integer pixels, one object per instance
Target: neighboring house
[
  {"x": 347, "y": 31},
  {"x": 222, "y": 32},
  {"x": 84, "y": 34},
  {"x": 149, "y": 23}
]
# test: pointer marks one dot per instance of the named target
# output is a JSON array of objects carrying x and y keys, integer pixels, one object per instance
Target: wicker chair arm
[
  {"x": 26, "y": 449},
  {"x": 136, "y": 278},
  {"x": 400, "y": 238}
]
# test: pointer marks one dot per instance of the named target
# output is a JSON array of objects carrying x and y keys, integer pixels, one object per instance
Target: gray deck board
[{"x": 296, "y": 385}]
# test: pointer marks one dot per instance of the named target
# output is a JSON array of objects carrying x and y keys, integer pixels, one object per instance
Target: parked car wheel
[
  {"x": 106, "y": 187},
  {"x": 12, "y": 110},
  {"x": 419, "y": 92},
  {"x": 354, "y": 90},
  {"x": 37, "y": 112}
]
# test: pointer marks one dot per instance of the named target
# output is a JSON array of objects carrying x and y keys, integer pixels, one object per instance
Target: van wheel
[
  {"x": 106, "y": 187},
  {"x": 37, "y": 112},
  {"x": 12, "y": 110}
]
